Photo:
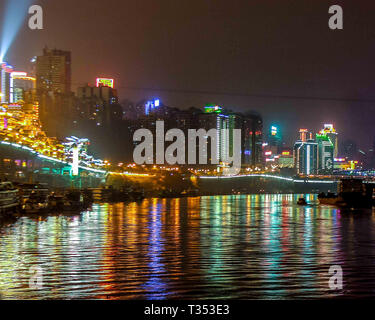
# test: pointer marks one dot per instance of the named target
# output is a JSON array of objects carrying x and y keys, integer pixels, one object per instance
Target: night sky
[{"x": 276, "y": 57}]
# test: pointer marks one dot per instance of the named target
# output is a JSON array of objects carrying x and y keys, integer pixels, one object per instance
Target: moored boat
[{"x": 9, "y": 198}]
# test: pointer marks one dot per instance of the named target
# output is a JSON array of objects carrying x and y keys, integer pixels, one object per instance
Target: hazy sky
[{"x": 276, "y": 57}]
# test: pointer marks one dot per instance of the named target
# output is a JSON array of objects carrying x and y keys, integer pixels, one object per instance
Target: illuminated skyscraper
[
  {"x": 325, "y": 154},
  {"x": 5, "y": 81},
  {"x": 306, "y": 154},
  {"x": 53, "y": 71},
  {"x": 274, "y": 139},
  {"x": 214, "y": 118},
  {"x": 331, "y": 133}
]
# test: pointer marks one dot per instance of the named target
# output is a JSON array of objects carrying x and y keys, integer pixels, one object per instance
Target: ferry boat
[
  {"x": 9, "y": 198},
  {"x": 352, "y": 193}
]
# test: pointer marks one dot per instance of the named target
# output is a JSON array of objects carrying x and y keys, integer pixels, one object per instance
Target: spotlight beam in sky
[{"x": 14, "y": 16}]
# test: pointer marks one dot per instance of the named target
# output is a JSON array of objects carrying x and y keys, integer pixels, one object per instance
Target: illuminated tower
[
  {"x": 305, "y": 153},
  {"x": 331, "y": 133},
  {"x": 274, "y": 139},
  {"x": 325, "y": 154},
  {"x": 213, "y": 117},
  {"x": 53, "y": 71},
  {"x": 5, "y": 81}
]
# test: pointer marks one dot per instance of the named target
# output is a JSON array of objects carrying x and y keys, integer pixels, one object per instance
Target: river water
[{"x": 236, "y": 247}]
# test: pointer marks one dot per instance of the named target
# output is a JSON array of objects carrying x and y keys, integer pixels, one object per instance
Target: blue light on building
[{"x": 151, "y": 105}]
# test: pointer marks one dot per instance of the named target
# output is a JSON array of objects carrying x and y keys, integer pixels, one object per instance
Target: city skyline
[
  {"x": 102, "y": 83},
  {"x": 283, "y": 87},
  {"x": 205, "y": 151},
  {"x": 52, "y": 85}
]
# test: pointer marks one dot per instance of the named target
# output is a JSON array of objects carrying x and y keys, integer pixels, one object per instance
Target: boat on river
[
  {"x": 9, "y": 198},
  {"x": 55, "y": 202}
]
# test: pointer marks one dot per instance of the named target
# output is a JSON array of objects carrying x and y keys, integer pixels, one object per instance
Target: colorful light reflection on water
[{"x": 240, "y": 247}]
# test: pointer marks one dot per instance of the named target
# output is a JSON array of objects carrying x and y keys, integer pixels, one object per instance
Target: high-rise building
[
  {"x": 53, "y": 71},
  {"x": 5, "y": 82},
  {"x": 305, "y": 153},
  {"x": 331, "y": 133},
  {"x": 214, "y": 117},
  {"x": 274, "y": 139},
  {"x": 325, "y": 154},
  {"x": 251, "y": 139}
]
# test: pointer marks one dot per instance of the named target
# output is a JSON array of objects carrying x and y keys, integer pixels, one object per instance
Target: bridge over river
[
  {"x": 22, "y": 164},
  {"x": 272, "y": 183}
]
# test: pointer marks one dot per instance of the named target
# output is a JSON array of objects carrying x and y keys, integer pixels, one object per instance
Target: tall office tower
[
  {"x": 214, "y": 117},
  {"x": 53, "y": 71},
  {"x": 234, "y": 122},
  {"x": 331, "y": 133},
  {"x": 325, "y": 154},
  {"x": 5, "y": 82},
  {"x": 305, "y": 153},
  {"x": 274, "y": 139},
  {"x": 251, "y": 137}
]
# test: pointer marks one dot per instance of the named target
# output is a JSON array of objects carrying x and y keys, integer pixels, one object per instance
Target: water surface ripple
[{"x": 237, "y": 247}]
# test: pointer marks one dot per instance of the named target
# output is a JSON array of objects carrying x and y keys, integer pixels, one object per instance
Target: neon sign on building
[
  {"x": 105, "y": 82},
  {"x": 212, "y": 108}
]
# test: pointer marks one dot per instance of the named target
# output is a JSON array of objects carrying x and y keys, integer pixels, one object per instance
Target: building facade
[
  {"x": 20, "y": 84},
  {"x": 330, "y": 132},
  {"x": 53, "y": 71},
  {"x": 326, "y": 151},
  {"x": 99, "y": 104},
  {"x": 305, "y": 153},
  {"x": 5, "y": 82}
]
